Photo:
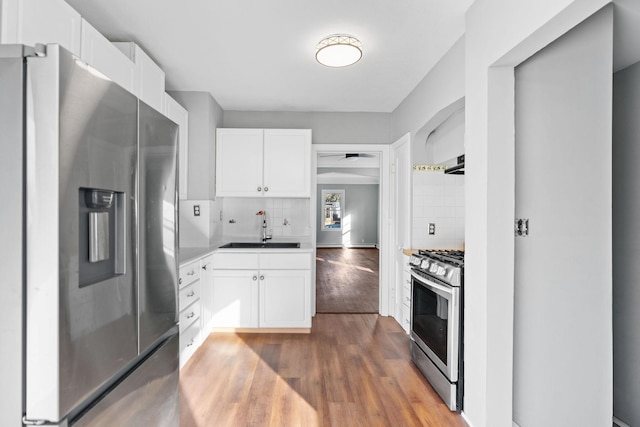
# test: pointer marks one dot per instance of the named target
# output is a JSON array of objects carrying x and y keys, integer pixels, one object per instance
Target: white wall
[
  {"x": 438, "y": 199},
  {"x": 360, "y": 216},
  {"x": 327, "y": 128},
  {"x": 441, "y": 87},
  {"x": 626, "y": 245},
  {"x": 500, "y": 34},
  {"x": 205, "y": 115}
]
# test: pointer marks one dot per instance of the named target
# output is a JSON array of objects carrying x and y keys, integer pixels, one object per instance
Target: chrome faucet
[{"x": 265, "y": 236}]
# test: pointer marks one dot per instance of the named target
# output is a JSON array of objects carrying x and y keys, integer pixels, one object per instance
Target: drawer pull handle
[
  {"x": 190, "y": 294},
  {"x": 191, "y": 273},
  {"x": 408, "y": 281},
  {"x": 406, "y": 321},
  {"x": 180, "y": 281},
  {"x": 408, "y": 299},
  {"x": 190, "y": 343},
  {"x": 190, "y": 315}
]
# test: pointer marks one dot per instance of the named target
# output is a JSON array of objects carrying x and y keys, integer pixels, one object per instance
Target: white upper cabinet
[
  {"x": 149, "y": 76},
  {"x": 263, "y": 163},
  {"x": 239, "y": 162},
  {"x": 101, "y": 54},
  {"x": 287, "y": 162},
  {"x": 176, "y": 112},
  {"x": 40, "y": 21}
]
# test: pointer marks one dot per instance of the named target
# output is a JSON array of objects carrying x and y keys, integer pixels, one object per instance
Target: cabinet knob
[
  {"x": 259, "y": 189},
  {"x": 255, "y": 278},
  {"x": 191, "y": 273},
  {"x": 190, "y": 294},
  {"x": 190, "y": 343},
  {"x": 408, "y": 299},
  {"x": 180, "y": 281},
  {"x": 261, "y": 277},
  {"x": 190, "y": 315},
  {"x": 266, "y": 189}
]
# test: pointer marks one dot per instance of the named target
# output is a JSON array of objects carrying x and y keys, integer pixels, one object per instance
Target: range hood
[{"x": 457, "y": 169}]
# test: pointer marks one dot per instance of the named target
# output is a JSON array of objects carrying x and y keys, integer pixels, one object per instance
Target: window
[{"x": 333, "y": 202}]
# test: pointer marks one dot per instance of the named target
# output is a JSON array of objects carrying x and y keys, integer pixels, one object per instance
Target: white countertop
[{"x": 188, "y": 254}]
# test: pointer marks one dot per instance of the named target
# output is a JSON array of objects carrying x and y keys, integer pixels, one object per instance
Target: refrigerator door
[
  {"x": 81, "y": 322},
  {"x": 157, "y": 239},
  {"x": 147, "y": 397}
]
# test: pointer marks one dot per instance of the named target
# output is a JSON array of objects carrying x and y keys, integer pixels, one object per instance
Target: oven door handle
[{"x": 446, "y": 290}]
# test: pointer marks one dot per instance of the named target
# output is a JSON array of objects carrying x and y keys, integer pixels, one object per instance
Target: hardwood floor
[
  {"x": 351, "y": 370},
  {"x": 347, "y": 280}
]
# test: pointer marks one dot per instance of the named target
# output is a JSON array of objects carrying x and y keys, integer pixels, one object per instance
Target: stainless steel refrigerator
[{"x": 94, "y": 300}]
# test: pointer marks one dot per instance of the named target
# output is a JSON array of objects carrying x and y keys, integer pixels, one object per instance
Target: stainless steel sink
[{"x": 260, "y": 245}]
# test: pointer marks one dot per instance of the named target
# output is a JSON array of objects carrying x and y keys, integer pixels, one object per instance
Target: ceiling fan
[{"x": 347, "y": 156}]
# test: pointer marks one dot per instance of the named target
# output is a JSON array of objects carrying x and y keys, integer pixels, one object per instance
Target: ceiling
[{"x": 256, "y": 55}]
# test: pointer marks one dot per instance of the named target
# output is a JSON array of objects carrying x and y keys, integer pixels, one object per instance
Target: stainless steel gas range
[{"x": 437, "y": 278}]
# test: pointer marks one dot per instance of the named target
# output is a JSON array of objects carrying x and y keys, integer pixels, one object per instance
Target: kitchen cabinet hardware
[
  {"x": 190, "y": 294},
  {"x": 190, "y": 315}
]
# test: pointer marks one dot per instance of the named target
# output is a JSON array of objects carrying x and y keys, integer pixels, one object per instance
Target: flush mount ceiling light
[{"x": 338, "y": 50}]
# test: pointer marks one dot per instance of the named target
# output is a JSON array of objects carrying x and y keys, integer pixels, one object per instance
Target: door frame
[
  {"x": 489, "y": 235},
  {"x": 405, "y": 216},
  {"x": 385, "y": 298}
]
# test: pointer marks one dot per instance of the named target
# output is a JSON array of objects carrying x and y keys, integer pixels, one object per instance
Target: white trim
[{"x": 384, "y": 222}]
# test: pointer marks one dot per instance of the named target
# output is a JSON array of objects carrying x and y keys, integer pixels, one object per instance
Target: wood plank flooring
[
  {"x": 351, "y": 370},
  {"x": 347, "y": 280}
]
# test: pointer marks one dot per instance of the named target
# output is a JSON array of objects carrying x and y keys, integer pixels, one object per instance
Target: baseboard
[
  {"x": 263, "y": 330},
  {"x": 359, "y": 246}
]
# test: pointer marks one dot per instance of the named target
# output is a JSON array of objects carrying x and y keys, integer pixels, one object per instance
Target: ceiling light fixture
[{"x": 338, "y": 50}]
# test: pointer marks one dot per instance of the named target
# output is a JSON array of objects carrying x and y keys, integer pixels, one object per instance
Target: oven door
[{"x": 435, "y": 319}]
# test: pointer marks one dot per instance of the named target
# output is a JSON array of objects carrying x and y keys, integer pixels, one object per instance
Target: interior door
[{"x": 562, "y": 308}]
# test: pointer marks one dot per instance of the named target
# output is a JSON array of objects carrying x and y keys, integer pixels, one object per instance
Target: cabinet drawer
[
  {"x": 235, "y": 261},
  {"x": 189, "y": 273},
  {"x": 189, "y": 294},
  {"x": 189, "y": 342},
  {"x": 189, "y": 315},
  {"x": 287, "y": 261}
]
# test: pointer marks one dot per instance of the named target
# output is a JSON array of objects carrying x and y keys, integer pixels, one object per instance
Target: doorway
[{"x": 348, "y": 214}]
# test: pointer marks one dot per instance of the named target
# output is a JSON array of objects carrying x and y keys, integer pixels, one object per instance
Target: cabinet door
[
  {"x": 285, "y": 299},
  {"x": 235, "y": 299},
  {"x": 239, "y": 162},
  {"x": 32, "y": 21},
  {"x": 177, "y": 113},
  {"x": 287, "y": 163},
  {"x": 206, "y": 300},
  {"x": 100, "y": 53}
]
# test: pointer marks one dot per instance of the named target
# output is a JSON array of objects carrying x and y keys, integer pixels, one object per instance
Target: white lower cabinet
[
  {"x": 284, "y": 298},
  {"x": 406, "y": 295},
  {"x": 235, "y": 298},
  {"x": 206, "y": 277},
  {"x": 190, "y": 306},
  {"x": 258, "y": 291}
]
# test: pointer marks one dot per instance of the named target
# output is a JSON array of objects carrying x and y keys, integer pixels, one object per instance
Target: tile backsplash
[
  {"x": 438, "y": 199},
  {"x": 285, "y": 217}
]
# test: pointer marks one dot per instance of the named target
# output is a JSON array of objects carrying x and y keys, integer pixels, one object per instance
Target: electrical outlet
[
  {"x": 432, "y": 229},
  {"x": 196, "y": 210}
]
